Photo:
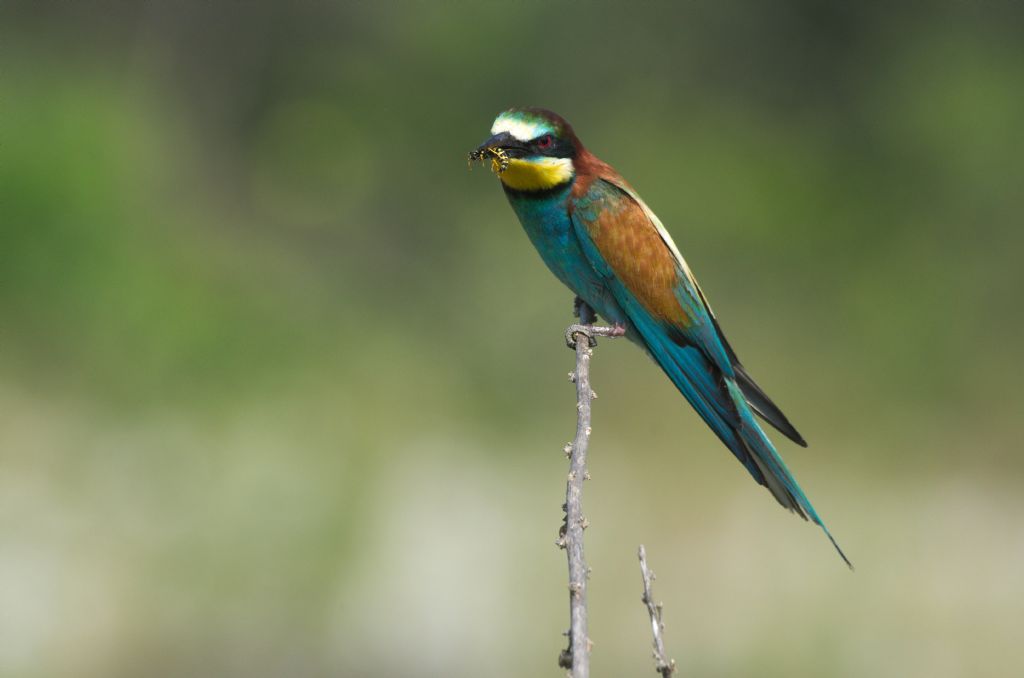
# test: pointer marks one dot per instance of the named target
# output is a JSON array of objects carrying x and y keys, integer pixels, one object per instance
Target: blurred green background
[{"x": 282, "y": 386}]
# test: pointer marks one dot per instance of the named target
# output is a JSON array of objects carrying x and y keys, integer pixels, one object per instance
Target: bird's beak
[{"x": 505, "y": 142}]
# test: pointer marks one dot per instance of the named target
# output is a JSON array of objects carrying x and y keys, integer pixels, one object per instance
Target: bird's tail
[
  {"x": 777, "y": 478},
  {"x": 720, "y": 401}
]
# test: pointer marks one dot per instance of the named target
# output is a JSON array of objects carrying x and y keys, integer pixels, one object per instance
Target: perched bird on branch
[{"x": 605, "y": 244}]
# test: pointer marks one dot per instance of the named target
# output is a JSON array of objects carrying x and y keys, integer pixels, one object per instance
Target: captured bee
[{"x": 499, "y": 158}]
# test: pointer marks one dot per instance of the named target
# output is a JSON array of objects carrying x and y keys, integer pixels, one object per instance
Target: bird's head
[{"x": 531, "y": 149}]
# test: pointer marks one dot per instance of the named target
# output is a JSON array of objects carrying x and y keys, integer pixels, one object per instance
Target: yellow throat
[{"x": 536, "y": 174}]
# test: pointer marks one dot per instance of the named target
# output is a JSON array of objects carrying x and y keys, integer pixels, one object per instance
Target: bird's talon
[{"x": 573, "y": 330}]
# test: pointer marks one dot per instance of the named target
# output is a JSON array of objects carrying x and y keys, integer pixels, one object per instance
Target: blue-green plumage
[
  {"x": 599, "y": 238},
  {"x": 545, "y": 218}
]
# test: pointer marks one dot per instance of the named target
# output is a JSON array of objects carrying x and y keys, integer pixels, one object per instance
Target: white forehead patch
[{"x": 519, "y": 128}]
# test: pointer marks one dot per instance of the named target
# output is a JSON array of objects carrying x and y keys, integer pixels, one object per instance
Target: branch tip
[{"x": 665, "y": 668}]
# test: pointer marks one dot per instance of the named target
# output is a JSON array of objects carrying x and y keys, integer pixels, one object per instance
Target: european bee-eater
[{"x": 605, "y": 244}]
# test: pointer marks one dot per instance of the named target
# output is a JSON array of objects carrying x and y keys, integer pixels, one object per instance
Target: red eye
[{"x": 545, "y": 141}]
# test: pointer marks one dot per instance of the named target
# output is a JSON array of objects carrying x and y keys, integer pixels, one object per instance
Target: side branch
[
  {"x": 576, "y": 657},
  {"x": 665, "y": 668}
]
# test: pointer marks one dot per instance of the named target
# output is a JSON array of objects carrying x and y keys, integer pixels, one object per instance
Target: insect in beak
[{"x": 499, "y": 157}]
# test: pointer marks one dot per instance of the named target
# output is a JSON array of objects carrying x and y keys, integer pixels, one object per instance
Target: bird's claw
[{"x": 575, "y": 329}]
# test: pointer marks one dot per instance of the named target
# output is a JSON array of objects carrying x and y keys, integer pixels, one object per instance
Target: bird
[{"x": 602, "y": 241}]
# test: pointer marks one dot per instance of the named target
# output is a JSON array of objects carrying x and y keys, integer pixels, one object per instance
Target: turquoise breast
[{"x": 545, "y": 218}]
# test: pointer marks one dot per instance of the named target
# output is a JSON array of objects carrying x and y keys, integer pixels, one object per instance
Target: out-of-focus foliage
[{"x": 282, "y": 385}]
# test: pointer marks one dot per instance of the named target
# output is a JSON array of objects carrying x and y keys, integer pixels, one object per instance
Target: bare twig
[
  {"x": 665, "y": 668},
  {"x": 576, "y": 657}
]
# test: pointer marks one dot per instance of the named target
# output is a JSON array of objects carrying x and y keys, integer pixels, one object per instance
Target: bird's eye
[{"x": 545, "y": 141}]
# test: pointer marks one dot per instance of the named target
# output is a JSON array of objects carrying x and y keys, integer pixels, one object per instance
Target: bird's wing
[
  {"x": 628, "y": 246},
  {"x": 755, "y": 396},
  {"x": 626, "y": 249},
  {"x": 706, "y": 333}
]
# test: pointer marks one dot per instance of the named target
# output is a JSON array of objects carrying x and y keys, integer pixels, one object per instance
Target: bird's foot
[
  {"x": 592, "y": 332},
  {"x": 576, "y": 329}
]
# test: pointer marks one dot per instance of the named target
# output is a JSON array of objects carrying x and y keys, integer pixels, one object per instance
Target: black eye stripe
[{"x": 550, "y": 145}]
